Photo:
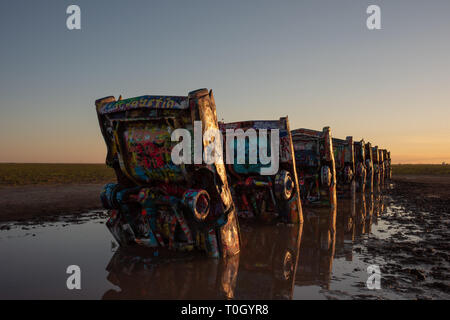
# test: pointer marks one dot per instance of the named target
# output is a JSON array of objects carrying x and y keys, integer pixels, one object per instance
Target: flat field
[
  {"x": 20, "y": 174},
  {"x": 421, "y": 169}
]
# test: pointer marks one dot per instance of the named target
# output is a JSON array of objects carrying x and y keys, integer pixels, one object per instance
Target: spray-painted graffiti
[
  {"x": 154, "y": 102},
  {"x": 148, "y": 152}
]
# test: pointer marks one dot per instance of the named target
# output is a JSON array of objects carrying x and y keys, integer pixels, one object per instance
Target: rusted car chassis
[{"x": 156, "y": 203}]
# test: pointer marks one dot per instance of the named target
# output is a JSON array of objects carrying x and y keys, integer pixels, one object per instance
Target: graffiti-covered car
[
  {"x": 376, "y": 167},
  {"x": 369, "y": 166},
  {"x": 387, "y": 164},
  {"x": 261, "y": 170},
  {"x": 360, "y": 166},
  {"x": 345, "y": 166},
  {"x": 155, "y": 202},
  {"x": 316, "y": 169},
  {"x": 381, "y": 167}
]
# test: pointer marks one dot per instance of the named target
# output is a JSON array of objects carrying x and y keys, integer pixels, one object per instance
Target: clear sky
[{"x": 315, "y": 61}]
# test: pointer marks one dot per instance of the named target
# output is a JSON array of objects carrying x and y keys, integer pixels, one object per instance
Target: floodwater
[{"x": 325, "y": 258}]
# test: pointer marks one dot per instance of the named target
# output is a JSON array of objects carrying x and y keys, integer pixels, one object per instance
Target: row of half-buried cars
[{"x": 195, "y": 205}]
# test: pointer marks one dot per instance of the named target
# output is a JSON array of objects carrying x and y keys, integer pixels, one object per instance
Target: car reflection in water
[
  {"x": 354, "y": 220},
  {"x": 268, "y": 261},
  {"x": 265, "y": 269},
  {"x": 140, "y": 276},
  {"x": 330, "y": 234},
  {"x": 318, "y": 246},
  {"x": 273, "y": 258}
]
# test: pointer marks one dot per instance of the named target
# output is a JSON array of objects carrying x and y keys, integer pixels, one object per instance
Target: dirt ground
[
  {"x": 417, "y": 249},
  {"x": 426, "y": 193},
  {"x": 34, "y": 201}
]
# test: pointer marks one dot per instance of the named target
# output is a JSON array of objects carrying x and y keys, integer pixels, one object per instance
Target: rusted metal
[
  {"x": 156, "y": 203},
  {"x": 315, "y": 164},
  {"x": 266, "y": 197}
]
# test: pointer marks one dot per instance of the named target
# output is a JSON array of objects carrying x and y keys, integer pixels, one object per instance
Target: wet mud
[{"x": 415, "y": 242}]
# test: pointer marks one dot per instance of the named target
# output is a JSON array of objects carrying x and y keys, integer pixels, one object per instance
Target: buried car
[
  {"x": 381, "y": 167},
  {"x": 314, "y": 160},
  {"x": 360, "y": 166},
  {"x": 387, "y": 164},
  {"x": 155, "y": 202},
  {"x": 376, "y": 168},
  {"x": 345, "y": 166},
  {"x": 262, "y": 188},
  {"x": 368, "y": 155}
]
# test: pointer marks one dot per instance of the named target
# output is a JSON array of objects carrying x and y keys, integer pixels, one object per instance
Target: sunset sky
[{"x": 314, "y": 61}]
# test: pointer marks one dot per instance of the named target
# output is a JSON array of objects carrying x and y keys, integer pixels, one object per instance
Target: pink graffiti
[{"x": 149, "y": 155}]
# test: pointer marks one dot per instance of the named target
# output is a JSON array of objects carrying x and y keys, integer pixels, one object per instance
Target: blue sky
[{"x": 312, "y": 60}]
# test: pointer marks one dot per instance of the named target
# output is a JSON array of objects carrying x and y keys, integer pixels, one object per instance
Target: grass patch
[
  {"x": 17, "y": 174},
  {"x": 421, "y": 169}
]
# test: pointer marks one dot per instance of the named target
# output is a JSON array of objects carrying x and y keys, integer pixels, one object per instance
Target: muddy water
[{"x": 326, "y": 258}]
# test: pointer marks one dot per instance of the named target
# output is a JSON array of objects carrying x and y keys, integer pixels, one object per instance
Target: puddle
[{"x": 326, "y": 258}]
